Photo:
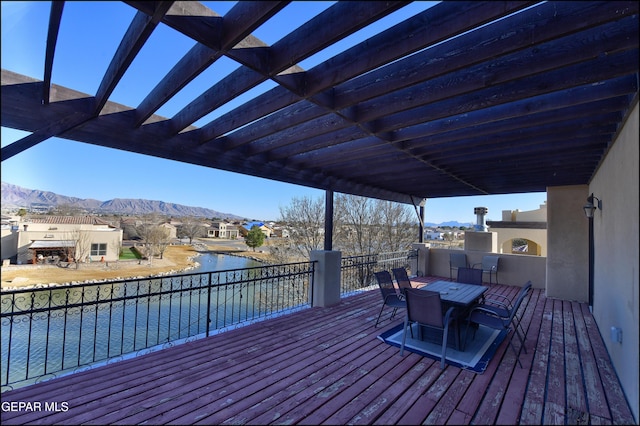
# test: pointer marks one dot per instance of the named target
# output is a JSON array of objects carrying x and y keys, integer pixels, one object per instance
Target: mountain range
[{"x": 14, "y": 197}]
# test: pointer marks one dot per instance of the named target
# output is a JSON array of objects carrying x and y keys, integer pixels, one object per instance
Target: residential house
[
  {"x": 173, "y": 231},
  {"x": 52, "y": 238},
  {"x": 222, "y": 230},
  {"x": 266, "y": 230}
]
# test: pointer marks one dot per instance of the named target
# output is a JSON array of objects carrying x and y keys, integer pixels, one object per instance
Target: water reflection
[{"x": 210, "y": 262}]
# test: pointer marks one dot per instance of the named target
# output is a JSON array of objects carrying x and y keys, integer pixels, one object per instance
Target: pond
[{"x": 210, "y": 262}]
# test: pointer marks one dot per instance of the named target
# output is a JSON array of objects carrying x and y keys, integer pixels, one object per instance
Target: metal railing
[
  {"x": 357, "y": 271},
  {"x": 47, "y": 331}
]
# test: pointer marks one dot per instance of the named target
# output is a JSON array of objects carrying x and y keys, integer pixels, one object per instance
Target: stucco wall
[
  {"x": 567, "y": 243},
  {"x": 616, "y": 289},
  {"x": 514, "y": 269},
  {"x": 538, "y": 236}
]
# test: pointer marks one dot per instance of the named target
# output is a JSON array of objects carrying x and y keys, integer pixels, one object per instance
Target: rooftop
[{"x": 326, "y": 366}]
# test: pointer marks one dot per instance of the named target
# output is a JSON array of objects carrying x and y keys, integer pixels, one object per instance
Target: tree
[
  {"x": 305, "y": 219},
  {"x": 82, "y": 247},
  {"x": 155, "y": 238},
  {"x": 366, "y": 226},
  {"x": 191, "y": 228},
  {"x": 397, "y": 225},
  {"x": 255, "y": 237},
  {"x": 361, "y": 226}
]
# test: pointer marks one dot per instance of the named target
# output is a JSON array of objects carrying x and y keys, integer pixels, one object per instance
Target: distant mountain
[
  {"x": 14, "y": 196},
  {"x": 451, "y": 223}
]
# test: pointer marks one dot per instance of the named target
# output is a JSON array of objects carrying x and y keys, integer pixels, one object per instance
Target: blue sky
[{"x": 84, "y": 49}]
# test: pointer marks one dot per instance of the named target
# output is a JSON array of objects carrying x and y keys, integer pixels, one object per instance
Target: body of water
[
  {"x": 34, "y": 344},
  {"x": 211, "y": 262}
]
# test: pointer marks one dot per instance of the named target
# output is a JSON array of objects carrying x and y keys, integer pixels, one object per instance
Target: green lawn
[{"x": 128, "y": 254}]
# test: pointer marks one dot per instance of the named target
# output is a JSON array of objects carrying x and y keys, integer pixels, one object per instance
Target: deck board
[{"x": 326, "y": 366}]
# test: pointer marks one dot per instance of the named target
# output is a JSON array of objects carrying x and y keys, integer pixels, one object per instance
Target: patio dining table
[{"x": 459, "y": 295}]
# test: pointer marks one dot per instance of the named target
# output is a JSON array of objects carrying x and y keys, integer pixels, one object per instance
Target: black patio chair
[
  {"x": 502, "y": 305},
  {"x": 482, "y": 315},
  {"x": 424, "y": 308},
  {"x": 402, "y": 278},
  {"x": 457, "y": 260},
  {"x": 390, "y": 295},
  {"x": 489, "y": 265}
]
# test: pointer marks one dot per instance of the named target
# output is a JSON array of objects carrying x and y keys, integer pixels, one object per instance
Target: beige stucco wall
[
  {"x": 481, "y": 241},
  {"x": 567, "y": 243},
  {"x": 96, "y": 234},
  {"x": 514, "y": 269},
  {"x": 537, "y": 236},
  {"x": 9, "y": 243},
  {"x": 538, "y": 215},
  {"x": 616, "y": 289},
  {"x": 505, "y": 235}
]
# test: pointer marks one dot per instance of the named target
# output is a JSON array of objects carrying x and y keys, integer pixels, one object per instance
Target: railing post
[
  {"x": 420, "y": 266},
  {"x": 326, "y": 278},
  {"x": 209, "y": 305}
]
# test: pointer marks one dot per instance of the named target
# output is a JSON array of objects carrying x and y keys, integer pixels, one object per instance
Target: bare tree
[
  {"x": 191, "y": 228},
  {"x": 305, "y": 218},
  {"x": 397, "y": 226},
  {"x": 355, "y": 221},
  {"x": 154, "y": 237},
  {"x": 161, "y": 239},
  {"x": 81, "y": 249},
  {"x": 361, "y": 226}
]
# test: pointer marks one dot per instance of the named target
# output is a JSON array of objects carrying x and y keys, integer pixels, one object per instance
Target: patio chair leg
[
  {"x": 514, "y": 350},
  {"x": 466, "y": 332},
  {"x": 393, "y": 314},
  {"x": 404, "y": 335},
  {"x": 378, "y": 320}
]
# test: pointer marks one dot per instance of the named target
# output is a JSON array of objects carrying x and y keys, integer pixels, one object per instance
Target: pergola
[
  {"x": 62, "y": 249},
  {"x": 459, "y": 99},
  {"x": 463, "y": 98}
]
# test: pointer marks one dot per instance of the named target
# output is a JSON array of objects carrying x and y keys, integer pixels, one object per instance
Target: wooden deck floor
[{"x": 326, "y": 366}]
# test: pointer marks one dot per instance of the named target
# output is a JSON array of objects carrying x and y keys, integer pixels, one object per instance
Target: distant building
[
  {"x": 530, "y": 226},
  {"x": 173, "y": 230},
  {"x": 434, "y": 235},
  {"x": 52, "y": 238},
  {"x": 39, "y": 208},
  {"x": 266, "y": 230},
  {"x": 222, "y": 230}
]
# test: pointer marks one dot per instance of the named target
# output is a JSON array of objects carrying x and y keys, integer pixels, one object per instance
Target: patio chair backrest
[
  {"x": 458, "y": 260},
  {"x": 402, "y": 278},
  {"x": 385, "y": 282},
  {"x": 523, "y": 293},
  {"x": 470, "y": 276},
  {"x": 490, "y": 263},
  {"x": 424, "y": 307}
]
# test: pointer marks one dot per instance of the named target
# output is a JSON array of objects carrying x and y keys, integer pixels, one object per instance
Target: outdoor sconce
[{"x": 590, "y": 207}]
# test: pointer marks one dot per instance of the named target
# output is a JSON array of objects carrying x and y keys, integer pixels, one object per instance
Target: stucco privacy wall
[
  {"x": 616, "y": 289},
  {"x": 515, "y": 269},
  {"x": 567, "y": 243}
]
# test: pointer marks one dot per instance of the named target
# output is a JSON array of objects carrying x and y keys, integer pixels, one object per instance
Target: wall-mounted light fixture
[{"x": 591, "y": 207}]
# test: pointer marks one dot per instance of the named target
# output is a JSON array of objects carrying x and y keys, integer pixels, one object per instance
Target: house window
[{"x": 98, "y": 249}]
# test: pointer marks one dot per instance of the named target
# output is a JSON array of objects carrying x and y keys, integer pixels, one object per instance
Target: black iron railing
[
  {"x": 357, "y": 271},
  {"x": 47, "y": 331}
]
